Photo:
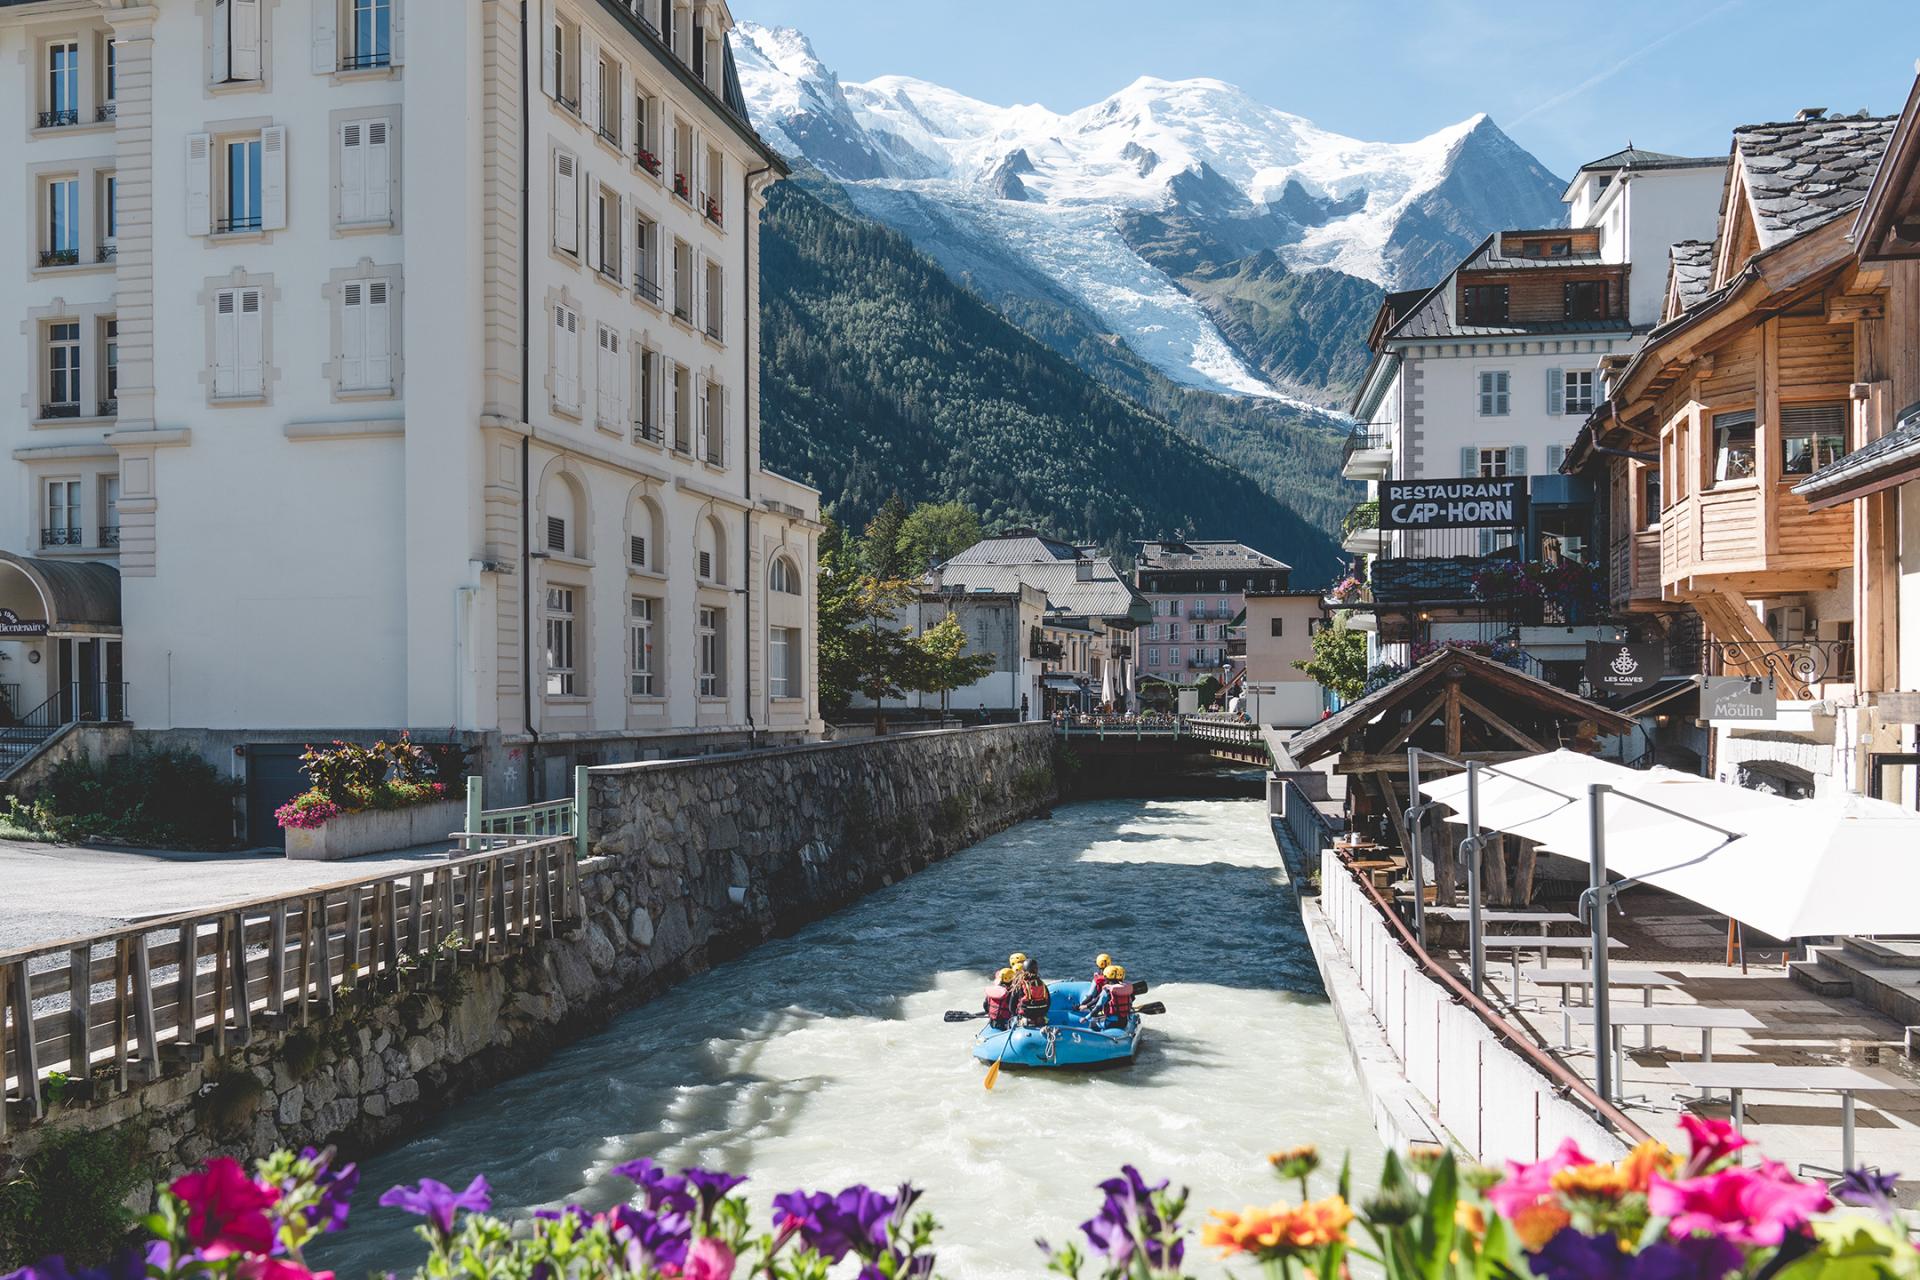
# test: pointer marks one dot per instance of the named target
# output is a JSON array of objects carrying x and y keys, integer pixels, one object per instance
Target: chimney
[
  {"x": 1810, "y": 113},
  {"x": 1083, "y": 570}
]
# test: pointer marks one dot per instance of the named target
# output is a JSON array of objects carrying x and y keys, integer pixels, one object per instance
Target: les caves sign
[{"x": 1475, "y": 502}]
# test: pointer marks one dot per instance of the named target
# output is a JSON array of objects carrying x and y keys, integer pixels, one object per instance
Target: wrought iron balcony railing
[
  {"x": 62, "y": 537},
  {"x": 107, "y": 253},
  {"x": 246, "y": 222},
  {"x": 109, "y": 535},
  {"x": 366, "y": 61},
  {"x": 647, "y": 289},
  {"x": 59, "y": 257},
  {"x": 107, "y": 111},
  {"x": 648, "y": 433},
  {"x": 61, "y": 409},
  {"x": 1363, "y": 438},
  {"x": 55, "y": 119},
  {"x": 1801, "y": 663}
]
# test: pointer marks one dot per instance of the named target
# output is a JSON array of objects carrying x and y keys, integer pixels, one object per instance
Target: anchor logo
[{"x": 1624, "y": 663}]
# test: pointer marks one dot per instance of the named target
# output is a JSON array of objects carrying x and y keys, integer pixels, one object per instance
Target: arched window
[
  {"x": 646, "y": 536},
  {"x": 710, "y": 552},
  {"x": 783, "y": 577},
  {"x": 565, "y": 513}
]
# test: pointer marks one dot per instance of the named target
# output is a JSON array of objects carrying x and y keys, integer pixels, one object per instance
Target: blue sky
[{"x": 1569, "y": 81}]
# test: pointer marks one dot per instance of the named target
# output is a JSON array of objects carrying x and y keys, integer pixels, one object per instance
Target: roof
[
  {"x": 78, "y": 594},
  {"x": 1007, "y": 561},
  {"x": 1434, "y": 318},
  {"x": 1017, "y": 546},
  {"x": 1311, "y": 593},
  {"x": 1891, "y": 457},
  {"x": 1488, "y": 257},
  {"x": 1218, "y": 554},
  {"x": 731, "y": 101},
  {"x": 1640, "y": 159},
  {"x": 1884, "y": 228},
  {"x": 1690, "y": 270},
  {"x": 1802, "y": 174},
  {"x": 1515, "y": 694}
]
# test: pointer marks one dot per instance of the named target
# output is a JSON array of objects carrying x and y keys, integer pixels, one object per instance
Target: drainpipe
[
  {"x": 526, "y": 420},
  {"x": 746, "y": 434}
]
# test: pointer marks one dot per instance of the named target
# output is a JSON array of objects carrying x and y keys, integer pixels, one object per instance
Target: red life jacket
[
  {"x": 1119, "y": 1001},
  {"x": 999, "y": 1003},
  {"x": 1033, "y": 997},
  {"x": 1099, "y": 981}
]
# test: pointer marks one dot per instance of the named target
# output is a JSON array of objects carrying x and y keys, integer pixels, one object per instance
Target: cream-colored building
[
  {"x": 393, "y": 365},
  {"x": 1279, "y": 633}
]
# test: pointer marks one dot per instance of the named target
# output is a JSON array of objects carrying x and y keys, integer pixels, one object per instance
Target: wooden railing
[{"x": 112, "y": 1006}]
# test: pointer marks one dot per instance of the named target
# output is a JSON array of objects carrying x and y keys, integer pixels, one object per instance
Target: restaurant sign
[
  {"x": 12, "y": 624},
  {"x": 1739, "y": 698},
  {"x": 1476, "y": 502},
  {"x": 1624, "y": 668}
]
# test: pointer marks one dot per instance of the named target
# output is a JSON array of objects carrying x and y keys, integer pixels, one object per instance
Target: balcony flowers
[
  {"x": 713, "y": 211},
  {"x": 1567, "y": 587},
  {"x": 348, "y": 777},
  {"x": 1348, "y": 590},
  {"x": 649, "y": 161},
  {"x": 680, "y": 187}
]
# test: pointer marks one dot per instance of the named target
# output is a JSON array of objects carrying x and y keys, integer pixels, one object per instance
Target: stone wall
[{"x": 692, "y": 862}]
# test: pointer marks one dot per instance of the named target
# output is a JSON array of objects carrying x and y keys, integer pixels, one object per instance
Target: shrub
[
  {"x": 69, "y": 1197},
  {"x": 349, "y": 778},
  {"x": 168, "y": 797}
]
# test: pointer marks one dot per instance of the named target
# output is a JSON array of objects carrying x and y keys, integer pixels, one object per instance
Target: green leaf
[{"x": 1437, "y": 1227}]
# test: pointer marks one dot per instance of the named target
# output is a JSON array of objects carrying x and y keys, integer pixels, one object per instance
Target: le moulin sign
[
  {"x": 1476, "y": 502},
  {"x": 12, "y": 624}
]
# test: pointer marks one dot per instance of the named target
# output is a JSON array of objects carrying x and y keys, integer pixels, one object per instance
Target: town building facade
[
  {"x": 375, "y": 379},
  {"x": 1276, "y": 632},
  {"x": 1196, "y": 589}
]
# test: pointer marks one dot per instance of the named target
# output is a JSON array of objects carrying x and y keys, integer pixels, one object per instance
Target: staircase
[
  {"x": 1882, "y": 973},
  {"x": 26, "y": 736}
]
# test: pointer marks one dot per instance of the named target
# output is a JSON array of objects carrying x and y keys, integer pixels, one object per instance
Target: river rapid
[{"x": 821, "y": 1059}]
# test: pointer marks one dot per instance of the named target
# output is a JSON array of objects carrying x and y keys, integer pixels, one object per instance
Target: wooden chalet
[
  {"x": 1770, "y": 363},
  {"x": 1461, "y": 705}
]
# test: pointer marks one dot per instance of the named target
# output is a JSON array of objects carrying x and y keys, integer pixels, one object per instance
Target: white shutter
[
  {"x": 353, "y": 336},
  {"x": 273, "y": 177},
  {"x": 1556, "y": 391},
  {"x": 326, "y": 52},
  {"x": 700, "y": 422},
  {"x": 622, "y": 376},
  {"x": 594, "y": 256},
  {"x": 225, "y": 342},
  {"x": 602, "y": 376},
  {"x": 379, "y": 174},
  {"x": 669, "y": 404},
  {"x": 353, "y": 171},
  {"x": 199, "y": 184},
  {"x": 379, "y": 336},
  {"x": 248, "y": 361},
  {"x": 222, "y": 41},
  {"x": 244, "y": 60},
  {"x": 697, "y": 289},
  {"x": 626, "y": 125},
  {"x": 589, "y": 79},
  {"x": 1517, "y": 460},
  {"x": 397, "y": 34},
  {"x": 1556, "y": 454},
  {"x": 566, "y": 203},
  {"x": 1469, "y": 460},
  {"x": 549, "y": 83}
]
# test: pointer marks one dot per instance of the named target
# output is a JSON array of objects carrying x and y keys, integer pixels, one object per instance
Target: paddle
[
  {"x": 1155, "y": 1007},
  {"x": 961, "y": 1015},
  {"x": 993, "y": 1072}
]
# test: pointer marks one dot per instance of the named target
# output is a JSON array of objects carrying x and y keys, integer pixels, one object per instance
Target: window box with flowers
[
  {"x": 680, "y": 187},
  {"x": 713, "y": 212},
  {"x": 368, "y": 800},
  {"x": 648, "y": 161},
  {"x": 1551, "y": 592}
]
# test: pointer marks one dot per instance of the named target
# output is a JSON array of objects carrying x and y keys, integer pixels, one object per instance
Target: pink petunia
[
  {"x": 708, "y": 1259},
  {"x": 278, "y": 1269},
  {"x": 226, "y": 1210},
  {"x": 1746, "y": 1206},
  {"x": 1711, "y": 1141},
  {"x": 1526, "y": 1185}
]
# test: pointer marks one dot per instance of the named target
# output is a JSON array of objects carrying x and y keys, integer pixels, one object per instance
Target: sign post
[{"x": 1739, "y": 698}]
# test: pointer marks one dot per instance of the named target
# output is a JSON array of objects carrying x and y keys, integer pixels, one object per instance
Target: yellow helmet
[
  {"x": 1018, "y": 960},
  {"x": 1005, "y": 975},
  {"x": 1102, "y": 960},
  {"x": 1116, "y": 973}
]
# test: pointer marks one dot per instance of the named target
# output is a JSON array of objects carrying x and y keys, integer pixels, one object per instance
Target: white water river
[{"x": 821, "y": 1059}]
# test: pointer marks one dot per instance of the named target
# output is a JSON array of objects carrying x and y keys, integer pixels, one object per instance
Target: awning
[
  {"x": 1791, "y": 868},
  {"x": 1065, "y": 684},
  {"x": 72, "y": 597}
]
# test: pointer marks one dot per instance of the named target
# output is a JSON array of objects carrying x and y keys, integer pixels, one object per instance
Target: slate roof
[
  {"x": 1020, "y": 546},
  {"x": 1005, "y": 562},
  {"x": 1433, "y": 317},
  {"x": 1897, "y": 450},
  {"x": 1632, "y": 157},
  {"x": 1206, "y": 555},
  {"x": 1690, "y": 270},
  {"x": 1802, "y": 174}
]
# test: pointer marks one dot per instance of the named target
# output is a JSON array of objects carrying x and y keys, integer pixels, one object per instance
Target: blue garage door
[{"x": 273, "y": 778}]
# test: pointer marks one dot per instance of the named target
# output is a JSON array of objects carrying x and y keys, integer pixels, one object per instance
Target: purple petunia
[
  {"x": 437, "y": 1202},
  {"x": 664, "y": 1192},
  {"x": 336, "y": 1187},
  {"x": 855, "y": 1221},
  {"x": 1571, "y": 1255},
  {"x": 1868, "y": 1189},
  {"x": 1127, "y": 1218},
  {"x": 710, "y": 1187},
  {"x": 129, "y": 1264},
  {"x": 651, "y": 1239}
]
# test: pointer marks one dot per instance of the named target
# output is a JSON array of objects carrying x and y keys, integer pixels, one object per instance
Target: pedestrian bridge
[{"x": 1222, "y": 736}]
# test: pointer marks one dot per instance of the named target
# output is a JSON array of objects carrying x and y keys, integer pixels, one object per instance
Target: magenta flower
[
  {"x": 1528, "y": 1184},
  {"x": 226, "y": 1210},
  {"x": 651, "y": 1239},
  {"x": 708, "y": 1259},
  {"x": 437, "y": 1202},
  {"x": 1710, "y": 1140},
  {"x": 277, "y": 1269},
  {"x": 1746, "y": 1206}
]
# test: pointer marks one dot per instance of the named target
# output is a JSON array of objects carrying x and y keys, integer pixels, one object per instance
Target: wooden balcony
[
  {"x": 1729, "y": 539},
  {"x": 1633, "y": 572}
]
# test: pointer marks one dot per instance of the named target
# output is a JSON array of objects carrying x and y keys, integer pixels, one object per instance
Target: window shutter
[
  {"x": 199, "y": 184},
  {"x": 273, "y": 178},
  {"x": 225, "y": 342},
  {"x": 353, "y": 335},
  {"x": 1469, "y": 460},
  {"x": 1517, "y": 460},
  {"x": 669, "y": 405},
  {"x": 556, "y": 534},
  {"x": 252, "y": 380},
  {"x": 637, "y": 550},
  {"x": 1556, "y": 454},
  {"x": 621, "y": 369},
  {"x": 353, "y": 171},
  {"x": 549, "y": 85},
  {"x": 378, "y": 175},
  {"x": 557, "y": 355},
  {"x": 700, "y": 423},
  {"x": 397, "y": 33},
  {"x": 566, "y": 203},
  {"x": 244, "y": 58},
  {"x": 589, "y": 78},
  {"x": 326, "y": 52},
  {"x": 379, "y": 348},
  {"x": 593, "y": 221},
  {"x": 222, "y": 41},
  {"x": 1556, "y": 391}
]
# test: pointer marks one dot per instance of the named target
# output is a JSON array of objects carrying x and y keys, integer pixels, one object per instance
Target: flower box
[{"x": 350, "y": 834}]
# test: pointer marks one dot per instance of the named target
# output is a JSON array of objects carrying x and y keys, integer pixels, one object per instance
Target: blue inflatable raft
[{"x": 1066, "y": 1041}]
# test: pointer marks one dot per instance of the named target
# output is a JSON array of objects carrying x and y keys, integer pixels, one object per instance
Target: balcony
[
  {"x": 713, "y": 212},
  {"x": 231, "y": 225},
  {"x": 649, "y": 290},
  {"x": 1360, "y": 532},
  {"x": 366, "y": 61},
  {"x": 1728, "y": 535},
  {"x": 1633, "y": 572},
  {"x": 1367, "y": 454},
  {"x": 62, "y": 537},
  {"x": 109, "y": 407},
  {"x": 58, "y": 119},
  {"x": 1046, "y": 650},
  {"x": 609, "y": 136},
  {"x": 62, "y": 409},
  {"x": 107, "y": 253},
  {"x": 59, "y": 257},
  {"x": 713, "y": 329},
  {"x": 109, "y": 535},
  {"x": 107, "y": 111},
  {"x": 649, "y": 433},
  {"x": 681, "y": 189}
]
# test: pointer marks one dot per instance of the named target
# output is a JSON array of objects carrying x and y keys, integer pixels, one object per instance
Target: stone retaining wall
[{"x": 692, "y": 862}]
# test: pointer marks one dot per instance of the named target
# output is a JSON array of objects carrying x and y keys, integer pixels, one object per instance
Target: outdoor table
[
  {"x": 1583, "y": 978},
  {"x": 1498, "y": 916},
  {"x": 1707, "y": 1018},
  {"x": 1738, "y": 1077},
  {"x": 1514, "y": 944}
]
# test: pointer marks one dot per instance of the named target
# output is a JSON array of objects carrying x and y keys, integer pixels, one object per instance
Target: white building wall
[{"x": 1653, "y": 211}]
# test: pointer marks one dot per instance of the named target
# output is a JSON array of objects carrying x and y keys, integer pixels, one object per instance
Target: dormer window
[
  {"x": 1585, "y": 299},
  {"x": 1484, "y": 303}
]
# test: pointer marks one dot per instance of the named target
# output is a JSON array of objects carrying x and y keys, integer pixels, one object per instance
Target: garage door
[{"x": 273, "y": 778}]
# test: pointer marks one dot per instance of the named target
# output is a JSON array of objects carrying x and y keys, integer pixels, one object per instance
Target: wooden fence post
[
  {"x": 144, "y": 1031},
  {"x": 187, "y": 986},
  {"x": 242, "y": 1000},
  {"x": 26, "y": 1059},
  {"x": 277, "y": 961},
  {"x": 582, "y": 791},
  {"x": 79, "y": 997}
]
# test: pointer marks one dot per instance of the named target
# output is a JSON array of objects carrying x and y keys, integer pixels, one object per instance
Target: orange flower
[
  {"x": 1279, "y": 1228},
  {"x": 1594, "y": 1181},
  {"x": 1539, "y": 1223},
  {"x": 1468, "y": 1217},
  {"x": 1645, "y": 1160}
]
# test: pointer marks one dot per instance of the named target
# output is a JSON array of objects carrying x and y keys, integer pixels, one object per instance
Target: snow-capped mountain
[{"x": 1117, "y": 208}]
